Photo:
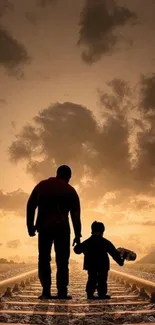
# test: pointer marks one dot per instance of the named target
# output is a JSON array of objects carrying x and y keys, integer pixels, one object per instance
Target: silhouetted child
[{"x": 96, "y": 260}]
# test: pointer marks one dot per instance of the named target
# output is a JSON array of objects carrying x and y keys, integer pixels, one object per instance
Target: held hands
[
  {"x": 76, "y": 241},
  {"x": 32, "y": 231}
]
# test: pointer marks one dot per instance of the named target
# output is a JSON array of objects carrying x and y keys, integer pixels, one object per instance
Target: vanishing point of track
[{"x": 133, "y": 301}]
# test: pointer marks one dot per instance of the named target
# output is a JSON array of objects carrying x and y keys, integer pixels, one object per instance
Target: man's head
[
  {"x": 64, "y": 172},
  {"x": 97, "y": 228}
]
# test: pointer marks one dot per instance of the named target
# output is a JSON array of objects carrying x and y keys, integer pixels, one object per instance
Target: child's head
[{"x": 97, "y": 228}]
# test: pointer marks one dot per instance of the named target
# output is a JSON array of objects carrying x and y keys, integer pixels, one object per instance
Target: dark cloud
[
  {"x": 118, "y": 101},
  {"x": 13, "y": 54},
  {"x": 68, "y": 133},
  {"x": 148, "y": 93},
  {"x": 13, "y": 202},
  {"x": 146, "y": 137},
  {"x": 13, "y": 124},
  {"x": 44, "y": 3},
  {"x": 128, "y": 107},
  {"x": 3, "y": 102},
  {"x": 5, "y": 7},
  {"x": 31, "y": 17},
  {"x": 98, "y": 28},
  {"x": 117, "y": 98},
  {"x": 13, "y": 243},
  {"x": 74, "y": 147}
]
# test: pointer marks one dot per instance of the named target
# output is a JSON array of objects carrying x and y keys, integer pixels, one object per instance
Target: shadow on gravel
[
  {"x": 55, "y": 308},
  {"x": 98, "y": 305}
]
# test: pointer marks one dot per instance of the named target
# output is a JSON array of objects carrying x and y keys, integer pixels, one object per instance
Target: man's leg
[
  {"x": 102, "y": 284},
  {"x": 91, "y": 283},
  {"x": 62, "y": 250},
  {"x": 44, "y": 268}
]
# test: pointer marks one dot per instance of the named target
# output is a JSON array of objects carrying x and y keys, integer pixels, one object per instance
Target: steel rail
[
  {"x": 146, "y": 288},
  {"x": 21, "y": 279}
]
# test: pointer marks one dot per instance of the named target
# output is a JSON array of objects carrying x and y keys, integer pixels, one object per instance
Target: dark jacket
[
  {"x": 54, "y": 199},
  {"x": 96, "y": 249}
]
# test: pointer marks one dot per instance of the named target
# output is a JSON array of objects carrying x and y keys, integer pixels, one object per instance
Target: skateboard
[{"x": 127, "y": 254}]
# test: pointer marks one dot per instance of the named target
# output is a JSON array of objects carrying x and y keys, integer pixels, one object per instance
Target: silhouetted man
[{"x": 55, "y": 198}]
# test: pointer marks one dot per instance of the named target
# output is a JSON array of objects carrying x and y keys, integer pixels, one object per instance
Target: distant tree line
[{"x": 5, "y": 261}]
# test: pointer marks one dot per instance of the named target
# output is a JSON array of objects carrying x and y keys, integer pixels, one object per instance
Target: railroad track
[{"x": 132, "y": 301}]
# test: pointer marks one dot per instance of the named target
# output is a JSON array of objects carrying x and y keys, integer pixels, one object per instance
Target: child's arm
[
  {"x": 115, "y": 254},
  {"x": 79, "y": 248}
]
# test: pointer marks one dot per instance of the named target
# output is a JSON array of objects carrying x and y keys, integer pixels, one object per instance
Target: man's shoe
[
  {"x": 104, "y": 297},
  {"x": 45, "y": 296}
]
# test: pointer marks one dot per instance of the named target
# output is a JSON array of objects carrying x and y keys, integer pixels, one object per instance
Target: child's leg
[
  {"x": 102, "y": 283},
  {"x": 91, "y": 283}
]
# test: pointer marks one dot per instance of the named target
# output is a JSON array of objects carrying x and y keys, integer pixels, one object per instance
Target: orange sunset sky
[{"x": 77, "y": 87}]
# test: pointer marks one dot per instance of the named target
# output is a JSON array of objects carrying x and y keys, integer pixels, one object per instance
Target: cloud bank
[
  {"x": 116, "y": 155},
  {"x": 13, "y": 54},
  {"x": 99, "y": 28},
  {"x": 13, "y": 202},
  {"x": 13, "y": 243}
]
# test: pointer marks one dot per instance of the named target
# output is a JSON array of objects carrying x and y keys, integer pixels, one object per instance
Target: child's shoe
[
  {"x": 104, "y": 297},
  {"x": 90, "y": 296},
  {"x": 60, "y": 296}
]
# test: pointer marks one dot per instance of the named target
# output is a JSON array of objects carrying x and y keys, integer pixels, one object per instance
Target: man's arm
[
  {"x": 115, "y": 254},
  {"x": 30, "y": 211},
  {"x": 75, "y": 212}
]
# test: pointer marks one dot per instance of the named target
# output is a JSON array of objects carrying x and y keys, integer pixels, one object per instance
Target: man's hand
[
  {"x": 32, "y": 231},
  {"x": 76, "y": 241}
]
